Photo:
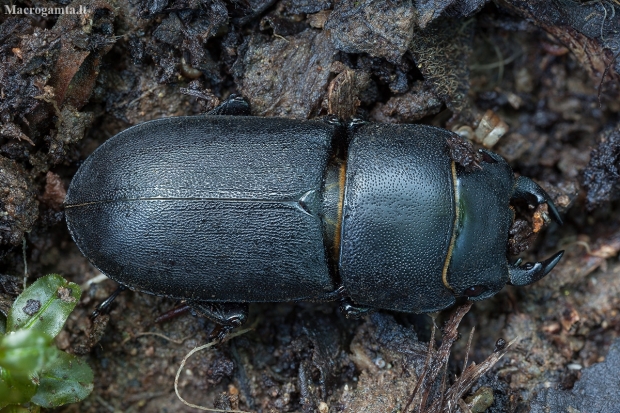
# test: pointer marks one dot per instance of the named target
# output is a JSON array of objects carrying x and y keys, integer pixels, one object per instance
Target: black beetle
[{"x": 222, "y": 210}]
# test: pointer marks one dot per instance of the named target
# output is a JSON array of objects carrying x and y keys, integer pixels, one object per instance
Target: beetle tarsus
[
  {"x": 105, "y": 306},
  {"x": 354, "y": 124},
  {"x": 529, "y": 272},
  {"x": 219, "y": 333},
  {"x": 533, "y": 194},
  {"x": 227, "y": 316},
  {"x": 332, "y": 120},
  {"x": 235, "y": 105},
  {"x": 354, "y": 311}
]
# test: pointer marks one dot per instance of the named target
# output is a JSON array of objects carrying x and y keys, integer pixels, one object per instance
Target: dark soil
[{"x": 541, "y": 76}]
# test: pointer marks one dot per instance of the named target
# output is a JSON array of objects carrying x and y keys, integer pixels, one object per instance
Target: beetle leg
[
  {"x": 533, "y": 194},
  {"x": 530, "y": 272},
  {"x": 235, "y": 105},
  {"x": 104, "y": 307},
  {"x": 332, "y": 120},
  {"x": 352, "y": 310},
  {"x": 354, "y": 124},
  {"x": 227, "y": 316},
  {"x": 175, "y": 312}
]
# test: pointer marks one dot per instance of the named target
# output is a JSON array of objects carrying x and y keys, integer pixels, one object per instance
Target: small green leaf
[
  {"x": 15, "y": 389},
  {"x": 31, "y": 369},
  {"x": 25, "y": 352},
  {"x": 67, "y": 379},
  {"x": 44, "y": 306},
  {"x": 19, "y": 409}
]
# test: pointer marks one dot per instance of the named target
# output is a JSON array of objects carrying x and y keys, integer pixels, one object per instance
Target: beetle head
[{"x": 478, "y": 266}]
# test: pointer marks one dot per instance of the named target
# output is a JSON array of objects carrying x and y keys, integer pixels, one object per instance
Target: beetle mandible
[{"x": 225, "y": 209}]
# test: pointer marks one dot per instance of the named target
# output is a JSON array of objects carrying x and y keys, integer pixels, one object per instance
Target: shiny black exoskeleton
[{"x": 225, "y": 209}]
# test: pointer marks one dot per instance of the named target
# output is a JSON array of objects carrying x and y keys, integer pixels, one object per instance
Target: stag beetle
[{"x": 226, "y": 209}]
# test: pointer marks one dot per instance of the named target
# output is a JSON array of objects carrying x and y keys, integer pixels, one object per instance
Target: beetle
[{"x": 225, "y": 209}]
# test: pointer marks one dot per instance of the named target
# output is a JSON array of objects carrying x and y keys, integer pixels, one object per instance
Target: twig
[
  {"x": 469, "y": 377},
  {"x": 600, "y": 85},
  {"x": 95, "y": 280},
  {"x": 450, "y": 335},
  {"x": 176, "y": 379},
  {"x": 471, "y": 335},
  {"x": 143, "y": 95},
  {"x": 148, "y": 333},
  {"x": 464, "y": 407},
  {"x": 105, "y": 404},
  {"x": 424, "y": 370},
  {"x": 25, "y": 261}
]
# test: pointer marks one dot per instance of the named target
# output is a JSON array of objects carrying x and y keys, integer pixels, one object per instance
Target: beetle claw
[
  {"x": 354, "y": 311},
  {"x": 219, "y": 333},
  {"x": 530, "y": 272},
  {"x": 105, "y": 306},
  {"x": 235, "y": 105},
  {"x": 533, "y": 194}
]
